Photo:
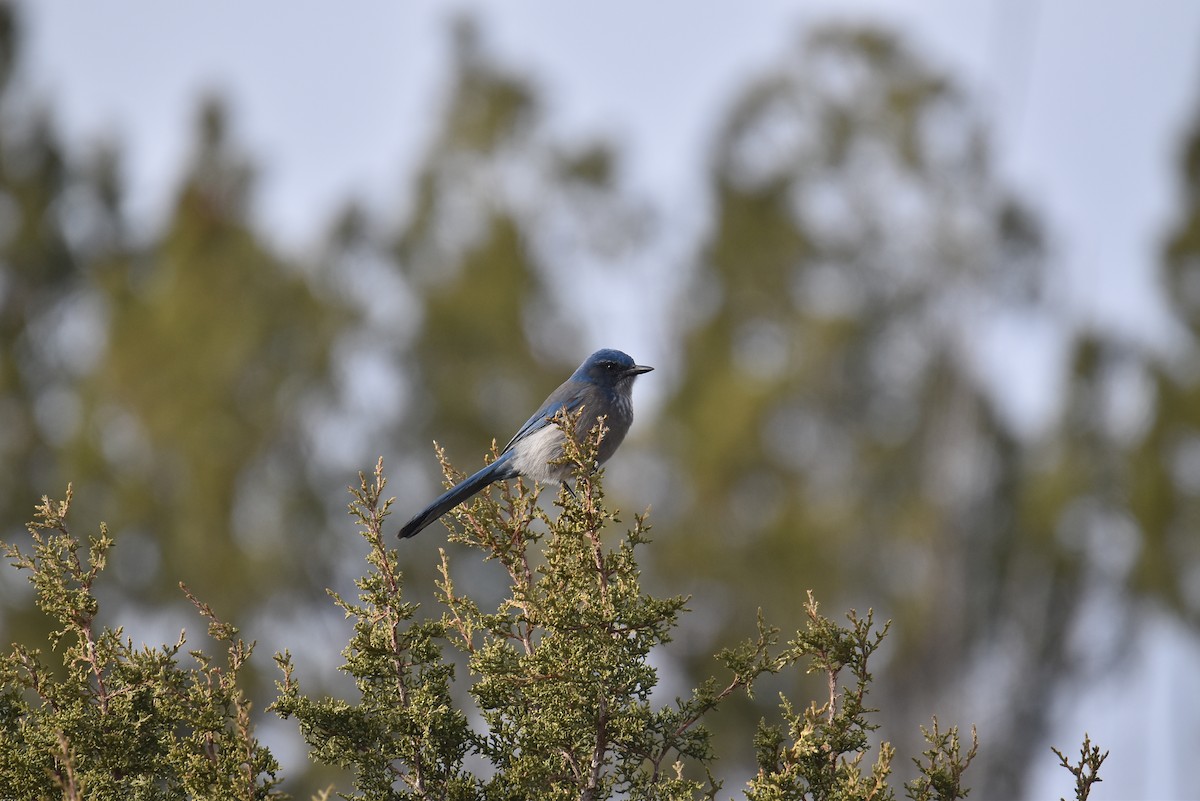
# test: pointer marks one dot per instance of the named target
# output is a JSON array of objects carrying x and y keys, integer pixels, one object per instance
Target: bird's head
[{"x": 609, "y": 368}]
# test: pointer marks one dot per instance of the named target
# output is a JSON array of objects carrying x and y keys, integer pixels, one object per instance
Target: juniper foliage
[
  {"x": 107, "y": 720},
  {"x": 562, "y": 700}
]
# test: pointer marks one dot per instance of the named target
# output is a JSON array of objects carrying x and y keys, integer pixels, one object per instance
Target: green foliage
[
  {"x": 405, "y": 727},
  {"x": 942, "y": 766},
  {"x": 562, "y": 682},
  {"x": 562, "y": 679},
  {"x": 821, "y": 754},
  {"x": 119, "y": 722}
]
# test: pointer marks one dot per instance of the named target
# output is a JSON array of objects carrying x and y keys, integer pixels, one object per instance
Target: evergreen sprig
[
  {"x": 1087, "y": 770},
  {"x": 405, "y": 731},
  {"x": 115, "y": 721},
  {"x": 819, "y": 752},
  {"x": 561, "y": 700}
]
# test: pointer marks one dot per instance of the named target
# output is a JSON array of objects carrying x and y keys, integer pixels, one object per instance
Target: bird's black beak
[{"x": 638, "y": 369}]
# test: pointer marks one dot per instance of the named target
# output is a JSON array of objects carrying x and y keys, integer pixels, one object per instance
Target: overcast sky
[
  {"x": 1089, "y": 103},
  {"x": 332, "y": 99}
]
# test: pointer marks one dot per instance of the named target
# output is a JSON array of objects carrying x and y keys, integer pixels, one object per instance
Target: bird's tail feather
[{"x": 496, "y": 471}]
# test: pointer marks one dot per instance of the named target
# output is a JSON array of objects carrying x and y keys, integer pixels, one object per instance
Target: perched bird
[{"x": 602, "y": 387}]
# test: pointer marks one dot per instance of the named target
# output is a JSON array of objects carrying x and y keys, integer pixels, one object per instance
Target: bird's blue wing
[{"x": 565, "y": 397}]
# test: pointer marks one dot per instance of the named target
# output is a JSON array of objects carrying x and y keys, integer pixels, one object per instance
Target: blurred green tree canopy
[
  {"x": 829, "y": 424},
  {"x": 192, "y": 420}
]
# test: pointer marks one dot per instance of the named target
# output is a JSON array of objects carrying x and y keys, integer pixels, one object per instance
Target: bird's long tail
[{"x": 496, "y": 471}]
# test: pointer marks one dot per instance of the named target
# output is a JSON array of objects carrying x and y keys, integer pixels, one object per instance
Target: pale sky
[{"x": 1089, "y": 101}]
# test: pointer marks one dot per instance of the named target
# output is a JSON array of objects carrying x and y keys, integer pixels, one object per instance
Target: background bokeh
[{"x": 921, "y": 281}]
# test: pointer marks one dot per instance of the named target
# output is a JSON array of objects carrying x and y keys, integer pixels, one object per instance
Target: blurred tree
[
  {"x": 1108, "y": 508},
  {"x": 464, "y": 249},
  {"x": 46, "y": 315},
  {"x": 193, "y": 442},
  {"x": 827, "y": 428},
  {"x": 1165, "y": 473}
]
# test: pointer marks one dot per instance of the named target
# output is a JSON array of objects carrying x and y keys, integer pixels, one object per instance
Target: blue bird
[{"x": 602, "y": 387}]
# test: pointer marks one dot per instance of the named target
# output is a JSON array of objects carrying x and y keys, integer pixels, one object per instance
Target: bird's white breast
[{"x": 532, "y": 455}]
